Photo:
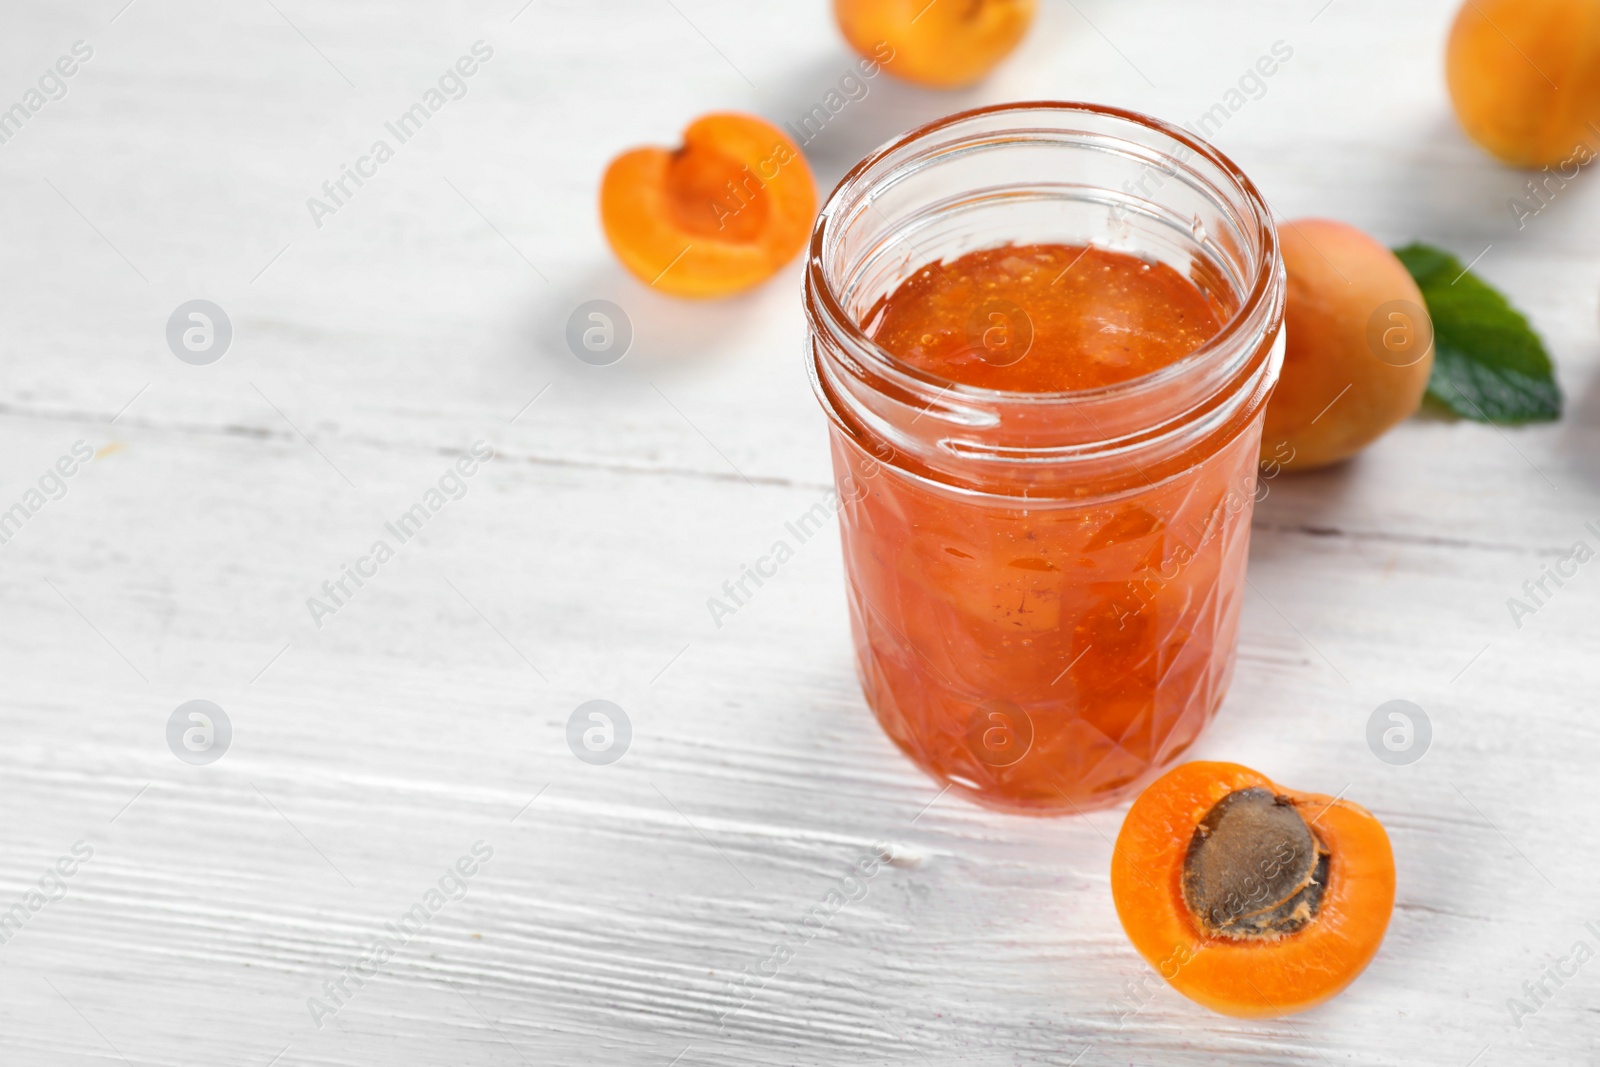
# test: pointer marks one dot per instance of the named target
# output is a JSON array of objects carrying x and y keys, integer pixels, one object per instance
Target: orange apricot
[
  {"x": 944, "y": 44},
  {"x": 1251, "y": 899},
  {"x": 1359, "y": 346},
  {"x": 1524, "y": 76},
  {"x": 716, "y": 216}
]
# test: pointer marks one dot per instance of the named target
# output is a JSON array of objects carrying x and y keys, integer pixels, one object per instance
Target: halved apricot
[
  {"x": 1248, "y": 898},
  {"x": 940, "y": 43},
  {"x": 716, "y": 216}
]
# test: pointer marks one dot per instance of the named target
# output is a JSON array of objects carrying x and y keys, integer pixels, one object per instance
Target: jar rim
[{"x": 821, "y": 292}]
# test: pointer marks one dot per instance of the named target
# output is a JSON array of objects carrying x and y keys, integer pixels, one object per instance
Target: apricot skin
[
  {"x": 943, "y": 44},
  {"x": 1359, "y": 346},
  {"x": 1524, "y": 76},
  {"x": 716, "y": 216}
]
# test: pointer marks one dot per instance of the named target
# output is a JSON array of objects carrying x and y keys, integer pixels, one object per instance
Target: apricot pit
[{"x": 1254, "y": 869}]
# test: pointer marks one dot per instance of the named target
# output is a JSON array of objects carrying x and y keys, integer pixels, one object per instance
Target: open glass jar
[{"x": 1044, "y": 588}]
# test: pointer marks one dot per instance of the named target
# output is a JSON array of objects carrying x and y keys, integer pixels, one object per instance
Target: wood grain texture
[{"x": 622, "y": 902}]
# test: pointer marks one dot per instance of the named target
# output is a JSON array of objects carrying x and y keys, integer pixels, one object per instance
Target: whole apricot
[
  {"x": 1359, "y": 346},
  {"x": 1525, "y": 77},
  {"x": 721, "y": 213},
  {"x": 944, "y": 44}
]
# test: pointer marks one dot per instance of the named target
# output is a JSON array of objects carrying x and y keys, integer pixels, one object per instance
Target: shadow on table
[
  {"x": 571, "y": 327},
  {"x": 1307, "y": 502},
  {"x": 837, "y": 115},
  {"x": 1579, "y": 443}
]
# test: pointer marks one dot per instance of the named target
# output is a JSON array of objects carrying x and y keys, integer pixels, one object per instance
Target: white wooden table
[{"x": 430, "y": 711}]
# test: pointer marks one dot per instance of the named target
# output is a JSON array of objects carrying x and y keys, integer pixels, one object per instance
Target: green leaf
[{"x": 1488, "y": 364}]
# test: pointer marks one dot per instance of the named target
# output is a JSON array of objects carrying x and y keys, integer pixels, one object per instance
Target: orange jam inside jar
[{"x": 1045, "y": 335}]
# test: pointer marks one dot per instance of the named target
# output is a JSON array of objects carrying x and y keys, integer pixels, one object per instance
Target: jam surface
[
  {"x": 1044, "y": 318},
  {"x": 1046, "y": 655}
]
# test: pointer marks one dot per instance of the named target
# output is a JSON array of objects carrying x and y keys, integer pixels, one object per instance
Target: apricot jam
[
  {"x": 1045, "y": 450},
  {"x": 1044, "y": 318}
]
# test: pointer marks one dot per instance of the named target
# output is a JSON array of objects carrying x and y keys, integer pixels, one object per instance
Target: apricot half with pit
[
  {"x": 1524, "y": 77},
  {"x": 943, "y": 44},
  {"x": 1248, "y": 898},
  {"x": 1359, "y": 346},
  {"x": 718, "y": 215}
]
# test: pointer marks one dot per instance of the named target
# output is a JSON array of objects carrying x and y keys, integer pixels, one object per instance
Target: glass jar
[{"x": 1044, "y": 588}]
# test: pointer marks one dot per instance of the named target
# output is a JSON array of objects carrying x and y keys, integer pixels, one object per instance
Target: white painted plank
[{"x": 374, "y": 751}]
